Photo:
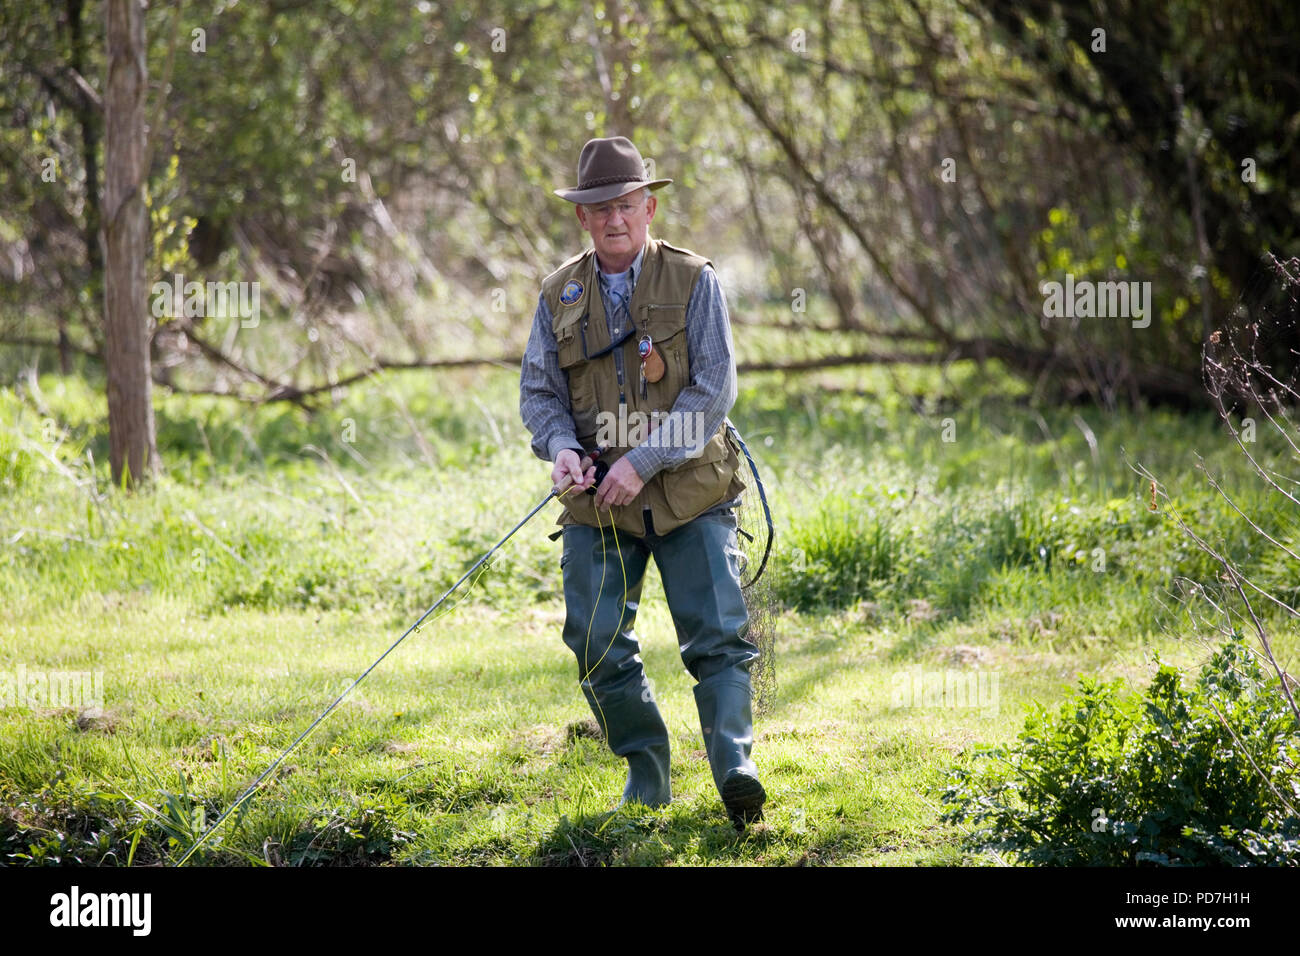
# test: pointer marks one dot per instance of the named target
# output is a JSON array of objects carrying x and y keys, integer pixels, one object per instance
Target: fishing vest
[{"x": 658, "y": 309}]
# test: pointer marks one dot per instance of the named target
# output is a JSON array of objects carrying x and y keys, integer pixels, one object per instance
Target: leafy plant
[
  {"x": 365, "y": 832},
  {"x": 1199, "y": 776}
]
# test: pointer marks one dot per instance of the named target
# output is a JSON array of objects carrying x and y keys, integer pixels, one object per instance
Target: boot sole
[{"x": 743, "y": 796}]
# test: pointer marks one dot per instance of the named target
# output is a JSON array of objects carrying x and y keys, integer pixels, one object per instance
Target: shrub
[{"x": 1110, "y": 780}]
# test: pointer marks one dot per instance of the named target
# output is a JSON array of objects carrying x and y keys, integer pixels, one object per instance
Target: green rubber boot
[
  {"x": 723, "y": 701},
  {"x": 599, "y": 630},
  {"x": 635, "y": 731}
]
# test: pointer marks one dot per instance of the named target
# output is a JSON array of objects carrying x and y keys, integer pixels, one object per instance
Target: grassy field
[{"x": 917, "y": 535}]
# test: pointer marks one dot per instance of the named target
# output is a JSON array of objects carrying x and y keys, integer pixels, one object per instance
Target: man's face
[{"x": 618, "y": 227}]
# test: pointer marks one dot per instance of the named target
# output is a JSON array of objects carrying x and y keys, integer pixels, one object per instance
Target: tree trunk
[{"x": 133, "y": 452}]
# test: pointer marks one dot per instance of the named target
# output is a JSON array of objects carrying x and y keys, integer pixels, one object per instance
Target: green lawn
[{"x": 282, "y": 553}]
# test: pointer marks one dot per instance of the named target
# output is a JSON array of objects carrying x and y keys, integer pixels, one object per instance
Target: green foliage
[
  {"x": 844, "y": 552},
  {"x": 1012, "y": 512},
  {"x": 1120, "y": 245},
  {"x": 65, "y": 825},
  {"x": 873, "y": 545},
  {"x": 16, "y": 465},
  {"x": 74, "y": 823},
  {"x": 363, "y": 832},
  {"x": 1199, "y": 776},
  {"x": 350, "y": 153}
]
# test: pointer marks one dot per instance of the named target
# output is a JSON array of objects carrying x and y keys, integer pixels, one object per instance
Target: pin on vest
[{"x": 652, "y": 363}]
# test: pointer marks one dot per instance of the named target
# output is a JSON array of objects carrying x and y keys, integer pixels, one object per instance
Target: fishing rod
[{"x": 556, "y": 492}]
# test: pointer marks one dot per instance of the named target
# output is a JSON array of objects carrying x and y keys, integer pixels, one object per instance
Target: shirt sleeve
[
  {"x": 544, "y": 391},
  {"x": 712, "y": 390}
]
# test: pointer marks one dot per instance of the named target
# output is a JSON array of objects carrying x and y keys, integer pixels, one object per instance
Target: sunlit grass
[{"x": 281, "y": 553}]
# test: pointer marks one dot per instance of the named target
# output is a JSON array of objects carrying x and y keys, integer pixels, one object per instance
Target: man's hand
[
  {"x": 568, "y": 471},
  {"x": 620, "y": 486}
]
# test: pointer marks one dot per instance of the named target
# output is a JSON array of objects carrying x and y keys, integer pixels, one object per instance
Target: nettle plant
[{"x": 1202, "y": 775}]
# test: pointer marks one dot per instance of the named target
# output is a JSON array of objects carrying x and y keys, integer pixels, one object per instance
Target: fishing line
[
  {"x": 586, "y": 656},
  {"x": 252, "y": 788}
]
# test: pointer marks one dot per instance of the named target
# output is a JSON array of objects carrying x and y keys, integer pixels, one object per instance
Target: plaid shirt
[{"x": 544, "y": 390}]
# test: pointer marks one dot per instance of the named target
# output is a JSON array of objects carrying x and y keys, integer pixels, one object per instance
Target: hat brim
[{"x": 606, "y": 193}]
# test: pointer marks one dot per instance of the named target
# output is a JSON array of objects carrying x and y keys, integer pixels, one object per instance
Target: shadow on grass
[
  {"x": 694, "y": 834},
  {"x": 637, "y": 836},
  {"x": 835, "y": 824}
]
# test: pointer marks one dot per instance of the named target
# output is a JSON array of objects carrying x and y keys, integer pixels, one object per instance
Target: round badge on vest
[{"x": 572, "y": 292}]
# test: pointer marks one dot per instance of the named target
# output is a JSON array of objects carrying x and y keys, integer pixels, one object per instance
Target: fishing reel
[{"x": 602, "y": 468}]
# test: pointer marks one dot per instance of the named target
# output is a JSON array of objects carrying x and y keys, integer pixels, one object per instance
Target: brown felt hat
[{"x": 607, "y": 169}]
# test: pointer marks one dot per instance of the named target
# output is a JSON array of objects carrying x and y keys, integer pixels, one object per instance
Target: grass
[{"x": 281, "y": 553}]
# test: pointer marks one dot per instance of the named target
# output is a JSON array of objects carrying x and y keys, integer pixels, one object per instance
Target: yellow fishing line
[{"x": 586, "y": 650}]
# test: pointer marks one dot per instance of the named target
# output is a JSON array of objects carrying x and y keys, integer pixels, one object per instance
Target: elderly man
[{"x": 635, "y": 330}]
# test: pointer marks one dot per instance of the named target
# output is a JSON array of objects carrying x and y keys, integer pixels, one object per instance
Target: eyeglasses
[{"x": 625, "y": 209}]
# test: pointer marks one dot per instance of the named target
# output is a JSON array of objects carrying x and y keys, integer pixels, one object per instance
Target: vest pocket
[
  {"x": 583, "y": 508},
  {"x": 568, "y": 345},
  {"x": 667, "y": 327},
  {"x": 582, "y": 387},
  {"x": 666, "y": 323},
  {"x": 701, "y": 482}
]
